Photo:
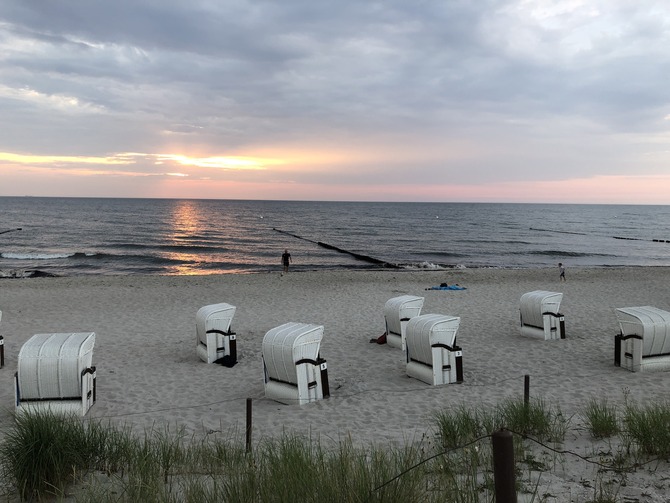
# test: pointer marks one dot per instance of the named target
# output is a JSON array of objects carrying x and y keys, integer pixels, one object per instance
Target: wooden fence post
[
  {"x": 526, "y": 390},
  {"x": 503, "y": 466},
  {"x": 249, "y": 425}
]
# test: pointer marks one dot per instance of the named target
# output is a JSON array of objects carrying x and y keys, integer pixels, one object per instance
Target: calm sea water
[{"x": 73, "y": 236}]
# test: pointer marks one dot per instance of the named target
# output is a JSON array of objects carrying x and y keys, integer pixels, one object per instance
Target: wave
[
  {"x": 26, "y": 273},
  {"x": 559, "y": 253},
  {"x": 101, "y": 256},
  {"x": 178, "y": 248},
  {"x": 43, "y": 256},
  {"x": 425, "y": 266},
  {"x": 73, "y": 255},
  {"x": 445, "y": 254},
  {"x": 192, "y": 237}
]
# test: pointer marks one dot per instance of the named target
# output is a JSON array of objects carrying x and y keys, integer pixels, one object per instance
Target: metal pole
[
  {"x": 248, "y": 425},
  {"x": 503, "y": 466}
]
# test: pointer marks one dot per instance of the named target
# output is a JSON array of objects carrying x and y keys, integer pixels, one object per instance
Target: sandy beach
[{"x": 148, "y": 372}]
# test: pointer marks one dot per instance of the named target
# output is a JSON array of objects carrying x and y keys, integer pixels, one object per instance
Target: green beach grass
[{"x": 48, "y": 457}]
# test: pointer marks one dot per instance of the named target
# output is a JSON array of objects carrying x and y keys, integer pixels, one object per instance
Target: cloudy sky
[{"x": 447, "y": 100}]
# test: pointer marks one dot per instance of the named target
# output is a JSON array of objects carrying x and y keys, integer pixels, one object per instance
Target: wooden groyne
[{"x": 358, "y": 256}]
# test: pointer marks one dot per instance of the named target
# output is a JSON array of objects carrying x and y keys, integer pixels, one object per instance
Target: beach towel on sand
[
  {"x": 380, "y": 340},
  {"x": 446, "y": 287}
]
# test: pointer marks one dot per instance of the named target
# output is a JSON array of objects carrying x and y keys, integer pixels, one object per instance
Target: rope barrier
[
  {"x": 338, "y": 396},
  {"x": 424, "y": 461}
]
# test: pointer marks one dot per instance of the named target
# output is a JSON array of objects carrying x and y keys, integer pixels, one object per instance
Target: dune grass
[
  {"x": 43, "y": 453},
  {"x": 648, "y": 427},
  {"x": 463, "y": 426},
  {"x": 535, "y": 418},
  {"x": 601, "y": 418},
  {"x": 44, "y": 456}
]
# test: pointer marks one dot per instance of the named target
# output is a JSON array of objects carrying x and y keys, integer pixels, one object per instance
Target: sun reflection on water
[
  {"x": 186, "y": 231},
  {"x": 198, "y": 235}
]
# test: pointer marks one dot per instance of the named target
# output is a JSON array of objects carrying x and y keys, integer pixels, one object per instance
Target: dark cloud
[{"x": 519, "y": 83}]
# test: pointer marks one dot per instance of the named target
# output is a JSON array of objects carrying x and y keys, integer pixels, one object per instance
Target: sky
[{"x": 401, "y": 100}]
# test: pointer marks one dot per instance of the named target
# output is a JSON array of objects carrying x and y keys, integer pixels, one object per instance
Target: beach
[{"x": 148, "y": 372}]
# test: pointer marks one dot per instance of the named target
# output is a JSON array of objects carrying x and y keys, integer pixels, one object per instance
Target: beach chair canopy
[
  {"x": 399, "y": 309},
  {"x": 429, "y": 330},
  {"x": 50, "y": 366},
  {"x": 649, "y": 323},
  {"x": 213, "y": 317},
  {"x": 534, "y": 305},
  {"x": 397, "y": 312},
  {"x": 432, "y": 354},
  {"x": 287, "y": 345},
  {"x": 214, "y": 337}
]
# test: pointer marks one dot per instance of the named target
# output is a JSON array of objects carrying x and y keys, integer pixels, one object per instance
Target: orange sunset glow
[{"x": 525, "y": 101}]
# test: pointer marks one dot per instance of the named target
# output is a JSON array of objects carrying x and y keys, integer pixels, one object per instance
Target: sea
[{"x": 107, "y": 236}]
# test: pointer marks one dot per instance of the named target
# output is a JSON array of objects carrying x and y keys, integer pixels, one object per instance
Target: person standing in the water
[{"x": 286, "y": 260}]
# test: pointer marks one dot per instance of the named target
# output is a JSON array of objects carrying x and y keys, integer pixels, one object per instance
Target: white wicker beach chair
[
  {"x": 214, "y": 337},
  {"x": 55, "y": 373},
  {"x": 432, "y": 354},
  {"x": 2, "y": 347},
  {"x": 540, "y": 316},
  {"x": 294, "y": 371},
  {"x": 397, "y": 312},
  {"x": 644, "y": 341}
]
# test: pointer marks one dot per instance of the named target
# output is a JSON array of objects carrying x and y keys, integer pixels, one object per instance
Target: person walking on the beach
[
  {"x": 286, "y": 259},
  {"x": 561, "y": 269}
]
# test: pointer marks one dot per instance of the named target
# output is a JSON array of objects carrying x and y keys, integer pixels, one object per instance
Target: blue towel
[{"x": 450, "y": 287}]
